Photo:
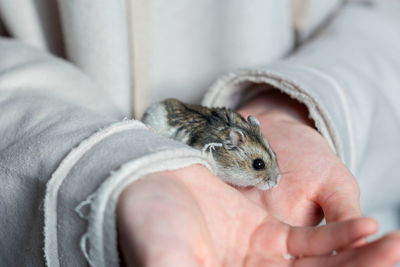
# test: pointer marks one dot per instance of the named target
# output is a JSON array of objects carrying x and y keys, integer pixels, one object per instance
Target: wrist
[{"x": 277, "y": 106}]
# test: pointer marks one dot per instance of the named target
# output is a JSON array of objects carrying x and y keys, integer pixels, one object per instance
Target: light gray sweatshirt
[{"x": 72, "y": 70}]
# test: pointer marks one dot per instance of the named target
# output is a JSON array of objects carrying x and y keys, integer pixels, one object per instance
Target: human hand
[
  {"x": 189, "y": 217},
  {"x": 313, "y": 176}
]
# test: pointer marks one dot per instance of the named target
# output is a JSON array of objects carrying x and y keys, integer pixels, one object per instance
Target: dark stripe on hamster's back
[
  {"x": 178, "y": 114},
  {"x": 194, "y": 110},
  {"x": 220, "y": 117}
]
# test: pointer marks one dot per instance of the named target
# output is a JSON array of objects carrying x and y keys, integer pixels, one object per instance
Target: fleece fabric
[
  {"x": 71, "y": 71},
  {"x": 348, "y": 77}
]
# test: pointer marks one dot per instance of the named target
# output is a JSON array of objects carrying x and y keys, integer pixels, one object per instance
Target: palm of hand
[
  {"x": 187, "y": 221},
  {"x": 313, "y": 176},
  {"x": 189, "y": 217}
]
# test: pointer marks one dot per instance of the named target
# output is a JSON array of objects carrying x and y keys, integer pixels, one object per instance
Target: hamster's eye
[{"x": 258, "y": 164}]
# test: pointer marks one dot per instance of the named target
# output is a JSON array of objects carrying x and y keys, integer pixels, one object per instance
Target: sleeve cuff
[
  {"x": 313, "y": 88},
  {"x": 105, "y": 177}
]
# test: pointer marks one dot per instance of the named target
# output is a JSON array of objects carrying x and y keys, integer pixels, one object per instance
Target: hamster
[{"x": 242, "y": 154}]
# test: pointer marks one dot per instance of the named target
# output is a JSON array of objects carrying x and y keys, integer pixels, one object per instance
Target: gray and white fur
[{"x": 242, "y": 154}]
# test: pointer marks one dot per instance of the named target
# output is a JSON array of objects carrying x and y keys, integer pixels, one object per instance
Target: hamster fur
[{"x": 242, "y": 154}]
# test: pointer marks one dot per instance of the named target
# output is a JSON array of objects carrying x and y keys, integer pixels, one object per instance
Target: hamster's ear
[
  {"x": 253, "y": 121},
  {"x": 236, "y": 137}
]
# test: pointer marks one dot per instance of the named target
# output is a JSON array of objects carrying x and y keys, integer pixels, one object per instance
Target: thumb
[
  {"x": 340, "y": 199},
  {"x": 312, "y": 241}
]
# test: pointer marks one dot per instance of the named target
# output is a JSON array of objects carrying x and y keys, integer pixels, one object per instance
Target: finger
[
  {"x": 340, "y": 199},
  {"x": 308, "y": 241},
  {"x": 382, "y": 252}
]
